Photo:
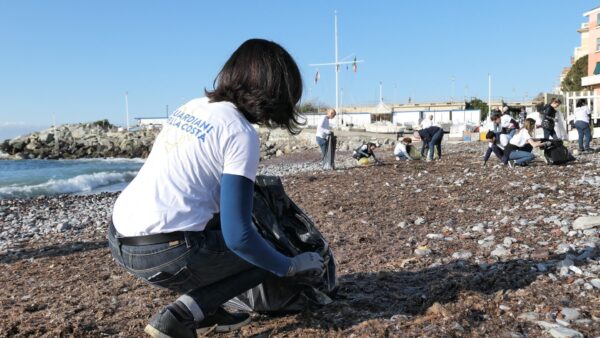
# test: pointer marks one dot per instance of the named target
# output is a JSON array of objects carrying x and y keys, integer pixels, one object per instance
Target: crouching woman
[
  {"x": 202, "y": 166},
  {"x": 520, "y": 147}
]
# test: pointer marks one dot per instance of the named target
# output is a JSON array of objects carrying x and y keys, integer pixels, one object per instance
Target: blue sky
[{"x": 75, "y": 59}]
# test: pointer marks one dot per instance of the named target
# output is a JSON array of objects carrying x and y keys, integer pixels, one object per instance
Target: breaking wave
[{"x": 78, "y": 184}]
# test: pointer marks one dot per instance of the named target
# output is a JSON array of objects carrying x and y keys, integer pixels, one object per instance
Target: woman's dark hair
[
  {"x": 264, "y": 82},
  {"x": 581, "y": 103},
  {"x": 556, "y": 100}
]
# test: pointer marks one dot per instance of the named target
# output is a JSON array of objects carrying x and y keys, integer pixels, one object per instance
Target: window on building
[
  {"x": 598, "y": 44},
  {"x": 598, "y": 19},
  {"x": 597, "y": 69}
]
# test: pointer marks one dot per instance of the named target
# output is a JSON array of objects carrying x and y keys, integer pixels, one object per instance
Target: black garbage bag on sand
[
  {"x": 329, "y": 158},
  {"x": 556, "y": 153},
  {"x": 291, "y": 231}
]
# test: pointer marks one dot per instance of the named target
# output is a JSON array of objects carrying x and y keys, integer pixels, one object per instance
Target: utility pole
[
  {"x": 489, "y": 94},
  {"x": 337, "y": 63}
]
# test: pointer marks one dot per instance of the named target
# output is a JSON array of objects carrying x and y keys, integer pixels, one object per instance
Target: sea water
[{"x": 31, "y": 178}]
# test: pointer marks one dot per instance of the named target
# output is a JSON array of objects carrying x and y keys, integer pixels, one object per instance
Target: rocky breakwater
[{"x": 83, "y": 140}]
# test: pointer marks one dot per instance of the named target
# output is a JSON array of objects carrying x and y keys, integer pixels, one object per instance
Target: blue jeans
[
  {"x": 550, "y": 132},
  {"x": 402, "y": 155},
  {"x": 521, "y": 157},
  {"x": 510, "y": 133},
  {"x": 585, "y": 134},
  {"x": 200, "y": 266},
  {"x": 322, "y": 142},
  {"x": 436, "y": 140}
]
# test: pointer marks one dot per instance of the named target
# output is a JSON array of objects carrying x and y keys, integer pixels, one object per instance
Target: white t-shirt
[
  {"x": 400, "y": 149},
  {"x": 582, "y": 114},
  {"x": 503, "y": 140},
  {"x": 505, "y": 121},
  {"x": 426, "y": 123},
  {"x": 323, "y": 130},
  {"x": 178, "y": 187},
  {"x": 521, "y": 138}
]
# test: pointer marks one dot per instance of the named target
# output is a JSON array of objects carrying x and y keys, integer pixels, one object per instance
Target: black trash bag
[
  {"x": 329, "y": 158},
  {"x": 291, "y": 231},
  {"x": 556, "y": 153}
]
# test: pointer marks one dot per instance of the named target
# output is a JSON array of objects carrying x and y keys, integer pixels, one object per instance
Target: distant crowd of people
[{"x": 511, "y": 138}]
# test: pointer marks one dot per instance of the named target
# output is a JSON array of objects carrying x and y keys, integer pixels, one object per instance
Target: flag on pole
[
  {"x": 317, "y": 77},
  {"x": 354, "y": 66}
]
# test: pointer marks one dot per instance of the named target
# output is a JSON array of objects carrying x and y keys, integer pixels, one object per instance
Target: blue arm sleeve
[{"x": 239, "y": 233}]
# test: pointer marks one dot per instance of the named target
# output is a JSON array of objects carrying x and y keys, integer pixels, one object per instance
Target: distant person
[
  {"x": 160, "y": 229},
  {"x": 522, "y": 115},
  {"x": 428, "y": 122},
  {"x": 494, "y": 146},
  {"x": 548, "y": 117},
  {"x": 366, "y": 151},
  {"x": 520, "y": 147},
  {"x": 323, "y": 130},
  {"x": 582, "y": 123},
  {"x": 432, "y": 139},
  {"x": 507, "y": 123},
  {"x": 403, "y": 149}
]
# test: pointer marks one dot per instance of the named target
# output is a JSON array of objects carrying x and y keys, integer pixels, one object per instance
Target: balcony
[{"x": 590, "y": 80}]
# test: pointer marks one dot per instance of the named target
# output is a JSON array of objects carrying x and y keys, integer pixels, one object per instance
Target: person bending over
[
  {"x": 202, "y": 166},
  {"x": 363, "y": 153},
  {"x": 494, "y": 146},
  {"x": 431, "y": 138},
  {"x": 403, "y": 149},
  {"x": 519, "y": 148}
]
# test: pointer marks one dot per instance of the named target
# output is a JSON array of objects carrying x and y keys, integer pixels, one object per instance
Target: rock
[
  {"x": 420, "y": 221},
  {"x": 575, "y": 269},
  {"x": 586, "y": 222},
  {"x": 595, "y": 282},
  {"x": 508, "y": 241},
  {"x": 570, "y": 314},
  {"x": 563, "y": 248},
  {"x": 63, "y": 226},
  {"x": 546, "y": 325},
  {"x": 422, "y": 251},
  {"x": 500, "y": 251},
  {"x": 529, "y": 316},
  {"x": 403, "y": 225},
  {"x": 435, "y": 236},
  {"x": 563, "y": 332},
  {"x": 462, "y": 255}
]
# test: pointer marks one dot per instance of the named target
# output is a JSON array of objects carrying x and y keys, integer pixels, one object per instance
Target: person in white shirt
[
  {"x": 520, "y": 146},
  {"x": 403, "y": 149},
  {"x": 323, "y": 130},
  {"x": 428, "y": 122},
  {"x": 185, "y": 222},
  {"x": 507, "y": 123},
  {"x": 582, "y": 123}
]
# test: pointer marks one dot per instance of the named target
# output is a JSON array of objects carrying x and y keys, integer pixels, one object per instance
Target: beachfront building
[
  {"x": 151, "y": 122},
  {"x": 593, "y": 51}
]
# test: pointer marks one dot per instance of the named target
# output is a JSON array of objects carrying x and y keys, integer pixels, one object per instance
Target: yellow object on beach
[{"x": 364, "y": 161}]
